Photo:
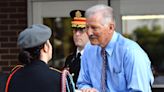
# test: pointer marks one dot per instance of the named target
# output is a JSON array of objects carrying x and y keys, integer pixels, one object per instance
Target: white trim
[
  {"x": 29, "y": 12},
  {"x": 56, "y": 8},
  {"x": 158, "y": 86}
]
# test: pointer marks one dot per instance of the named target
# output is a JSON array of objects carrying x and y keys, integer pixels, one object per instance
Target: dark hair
[{"x": 26, "y": 56}]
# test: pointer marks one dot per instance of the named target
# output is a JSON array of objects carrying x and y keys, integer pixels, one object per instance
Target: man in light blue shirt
[{"x": 128, "y": 66}]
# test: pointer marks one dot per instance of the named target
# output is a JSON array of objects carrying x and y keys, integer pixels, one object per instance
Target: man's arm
[
  {"x": 138, "y": 71},
  {"x": 84, "y": 78}
]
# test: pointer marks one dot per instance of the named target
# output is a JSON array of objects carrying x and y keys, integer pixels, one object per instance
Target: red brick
[
  {"x": 13, "y": 39},
  {"x": 3, "y": 39},
  {"x": 3, "y": 27},
  {"x": 4, "y": 51},
  {"x": 16, "y": 27},
  {"x": 5, "y": 0},
  {"x": 15, "y": 63},
  {"x": 17, "y": 4},
  {"x": 3, "y": 4},
  {"x": 7, "y": 10},
  {"x": 8, "y": 33},
  {"x": 11, "y": 10},
  {"x": 20, "y": 16},
  {"x": 3, "y": 16},
  {"x": 9, "y": 56},
  {"x": 15, "y": 50},
  {"x": 8, "y": 21},
  {"x": 22, "y": 0},
  {"x": 3, "y": 63},
  {"x": 22, "y": 9},
  {"x": 22, "y": 21},
  {"x": 8, "y": 45}
]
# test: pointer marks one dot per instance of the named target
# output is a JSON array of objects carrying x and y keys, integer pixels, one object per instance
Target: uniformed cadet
[
  {"x": 35, "y": 75},
  {"x": 80, "y": 38}
]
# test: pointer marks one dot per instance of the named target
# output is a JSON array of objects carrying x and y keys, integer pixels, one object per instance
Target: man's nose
[
  {"x": 89, "y": 31},
  {"x": 77, "y": 32}
]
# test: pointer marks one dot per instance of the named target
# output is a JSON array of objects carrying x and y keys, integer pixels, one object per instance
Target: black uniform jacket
[
  {"x": 73, "y": 64},
  {"x": 35, "y": 77},
  {"x": 3, "y": 79}
]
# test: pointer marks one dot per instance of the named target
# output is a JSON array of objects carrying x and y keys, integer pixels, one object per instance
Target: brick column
[{"x": 13, "y": 19}]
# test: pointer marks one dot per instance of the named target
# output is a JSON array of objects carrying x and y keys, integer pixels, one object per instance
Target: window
[
  {"x": 148, "y": 31},
  {"x": 61, "y": 39}
]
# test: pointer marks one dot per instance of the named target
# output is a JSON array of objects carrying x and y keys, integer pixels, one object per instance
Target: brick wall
[{"x": 13, "y": 19}]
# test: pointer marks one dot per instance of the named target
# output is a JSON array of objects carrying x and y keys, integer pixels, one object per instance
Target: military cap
[
  {"x": 33, "y": 36},
  {"x": 78, "y": 19}
]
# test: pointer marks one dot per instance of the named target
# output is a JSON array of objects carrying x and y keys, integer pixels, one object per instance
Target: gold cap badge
[{"x": 78, "y": 14}]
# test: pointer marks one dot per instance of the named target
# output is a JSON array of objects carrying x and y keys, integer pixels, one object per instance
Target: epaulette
[{"x": 55, "y": 69}]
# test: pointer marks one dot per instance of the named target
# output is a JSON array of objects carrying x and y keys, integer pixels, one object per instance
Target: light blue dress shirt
[{"x": 129, "y": 68}]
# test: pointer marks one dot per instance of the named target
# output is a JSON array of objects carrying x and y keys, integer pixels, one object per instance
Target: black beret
[
  {"x": 78, "y": 18},
  {"x": 33, "y": 36}
]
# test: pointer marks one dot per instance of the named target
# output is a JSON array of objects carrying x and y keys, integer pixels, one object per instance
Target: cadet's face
[{"x": 80, "y": 37}]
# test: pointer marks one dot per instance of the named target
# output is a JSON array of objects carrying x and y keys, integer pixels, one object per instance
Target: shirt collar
[
  {"x": 110, "y": 46},
  {"x": 81, "y": 52}
]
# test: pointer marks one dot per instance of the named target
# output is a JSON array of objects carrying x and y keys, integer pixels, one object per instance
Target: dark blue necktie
[{"x": 104, "y": 66}]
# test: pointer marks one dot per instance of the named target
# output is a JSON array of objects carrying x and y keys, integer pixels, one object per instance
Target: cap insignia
[{"x": 78, "y": 14}]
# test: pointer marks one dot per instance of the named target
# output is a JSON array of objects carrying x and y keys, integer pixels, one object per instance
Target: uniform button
[{"x": 72, "y": 74}]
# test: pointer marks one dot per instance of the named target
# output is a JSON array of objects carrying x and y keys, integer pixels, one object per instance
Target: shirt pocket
[{"x": 119, "y": 80}]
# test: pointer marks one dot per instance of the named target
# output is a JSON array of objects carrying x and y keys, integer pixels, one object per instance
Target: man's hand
[{"x": 89, "y": 90}]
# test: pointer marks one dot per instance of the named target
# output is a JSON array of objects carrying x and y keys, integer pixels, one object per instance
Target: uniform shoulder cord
[
  {"x": 55, "y": 69},
  {"x": 10, "y": 76},
  {"x": 64, "y": 81},
  {"x": 64, "y": 84}
]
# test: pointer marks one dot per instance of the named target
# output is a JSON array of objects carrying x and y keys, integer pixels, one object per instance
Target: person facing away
[
  {"x": 127, "y": 66},
  {"x": 36, "y": 51},
  {"x": 80, "y": 39}
]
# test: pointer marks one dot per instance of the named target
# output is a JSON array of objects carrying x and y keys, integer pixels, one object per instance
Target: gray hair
[{"x": 104, "y": 10}]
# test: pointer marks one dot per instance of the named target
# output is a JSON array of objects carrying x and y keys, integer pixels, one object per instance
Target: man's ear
[
  {"x": 45, "y": 47},
  {"x": 111, "y": 26}
]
